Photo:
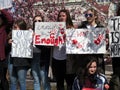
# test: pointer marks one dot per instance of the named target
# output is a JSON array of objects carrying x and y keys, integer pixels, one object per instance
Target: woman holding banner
[
  {"x": 18, "y": 66},
  {"x": 116, "y": 60},
  {"x": 60, "y": 62},
  {"x": 115, "y": 80},
  {"x": 40, "y": 62},
  {"x": 6, "y": 21}
]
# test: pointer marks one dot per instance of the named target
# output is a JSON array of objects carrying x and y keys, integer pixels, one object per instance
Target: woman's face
[
  {"x": 90, "y": 16},
  {"x": 93, "y": 67},
  {"x": 62, "y": 17}
]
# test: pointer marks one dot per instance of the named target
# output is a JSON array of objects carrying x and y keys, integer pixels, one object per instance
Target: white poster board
[
  {"x": 5, "y": 4},
  {"x": 114, "y": 36},
  {"x": 83, "y": 41},
  {"x": 49, "y": 33},
  {"x": 22, "y": 43}
]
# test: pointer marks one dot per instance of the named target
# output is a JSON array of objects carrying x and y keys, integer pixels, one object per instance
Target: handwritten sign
[
  {"x": 83, "y": 41},
  {"x": 5, "y": 4},
  {"x": 114, "y": 36},
  {"x": 49, "y": 33},
  {"x": 22, "y": 43}
]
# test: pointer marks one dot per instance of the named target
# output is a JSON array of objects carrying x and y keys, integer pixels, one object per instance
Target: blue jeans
[
  {"x": 44, "y": 78},
  {"x": 39, "y": 73},
  {"x": 15, "y": 74},
  {"x": 35, "y": 67}
]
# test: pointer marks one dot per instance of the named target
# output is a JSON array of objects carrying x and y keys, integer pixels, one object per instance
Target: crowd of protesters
[
  {"x": 23, "y": 16},
  {"x": 27, "y": 10}
]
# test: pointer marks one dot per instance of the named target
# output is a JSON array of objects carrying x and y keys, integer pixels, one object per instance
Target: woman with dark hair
[
  {"x": 89, "y": 78},
  {"x": 60, "y": 62},
  {"x": 64, "y": 16},
  {"x": 6, "y": 21},
  {"x": 18, "y": 66},
  {"x": 40, "y": 62}
]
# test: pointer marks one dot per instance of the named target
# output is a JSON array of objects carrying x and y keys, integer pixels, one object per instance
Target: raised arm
[{"x": 8, "y": 17}]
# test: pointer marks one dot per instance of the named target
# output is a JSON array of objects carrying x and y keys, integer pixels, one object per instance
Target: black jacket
[
  {"x": 85, "y": 23},
  {"x": 45, "y": 54}
]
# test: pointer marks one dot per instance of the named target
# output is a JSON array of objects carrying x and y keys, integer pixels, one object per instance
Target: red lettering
[
  {"x": 43, "y": 40},
  {"x": 51, "y": 40},
  {"x": 37, "y": 39},
  {"x": 48, "y": 41},
  {"x": 60, "y": 40},
  {"x": 56, "y": 42}
]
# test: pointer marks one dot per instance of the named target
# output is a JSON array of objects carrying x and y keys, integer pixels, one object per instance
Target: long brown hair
[
  {"x": 34, "y": 19},
  {"x": 83, "y": 71},
  {"x": 69, "y": 22},
  {"x": 21, "y": 24}
]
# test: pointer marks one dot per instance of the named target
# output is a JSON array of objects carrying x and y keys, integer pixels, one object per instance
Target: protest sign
[
  {"x": 114, "y": 36},
  {"x": 49, "y": 33},
  {"x": 5, "y": 4},
  {"x": 22, "y": 43},
  {"x": 84, "y": 41}
]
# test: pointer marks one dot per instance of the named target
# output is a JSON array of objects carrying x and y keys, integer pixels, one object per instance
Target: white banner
[
  {"x": 49, "y": 33},
  {"x": 22, "y": 43},
  {"x": 83, "y": 41},
  {"x": 114, "y": 36},
  {"x": 5, "y": 4}
]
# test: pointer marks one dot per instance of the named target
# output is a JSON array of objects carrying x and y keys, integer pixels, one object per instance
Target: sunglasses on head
[
  {"x": 38, "y": 21},
  {"x": 88, "y": 15}
]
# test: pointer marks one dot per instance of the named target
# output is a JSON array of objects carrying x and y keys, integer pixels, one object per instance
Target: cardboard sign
[
  {"x": 5, "y": 4},
  {"x": 49, "y": 33},
  {"x": 114, "y": 36},
  {"x": 83, "y": 41},
  {"x": 22, "y": 43}
]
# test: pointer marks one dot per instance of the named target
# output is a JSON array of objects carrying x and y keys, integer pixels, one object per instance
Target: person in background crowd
[
  {"x": 60, "y": 61},
  {"x": 115, "y": 80},
  {"x": 91, "y": 23},
  {"x": 6, "y": 21},
  {"x": 89, "y": 78},
  {"x": 116, "y": 60},
  {"x": 40, "y": 62},
  {"x": 18, "y": 67}
]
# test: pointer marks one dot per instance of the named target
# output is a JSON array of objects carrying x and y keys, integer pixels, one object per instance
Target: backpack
[{"x": 114, "y": 83}]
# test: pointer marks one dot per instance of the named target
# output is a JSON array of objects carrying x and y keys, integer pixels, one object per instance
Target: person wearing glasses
[
  {"x": 91, "y": 23},
  {"x": 40, "y": 62}
]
